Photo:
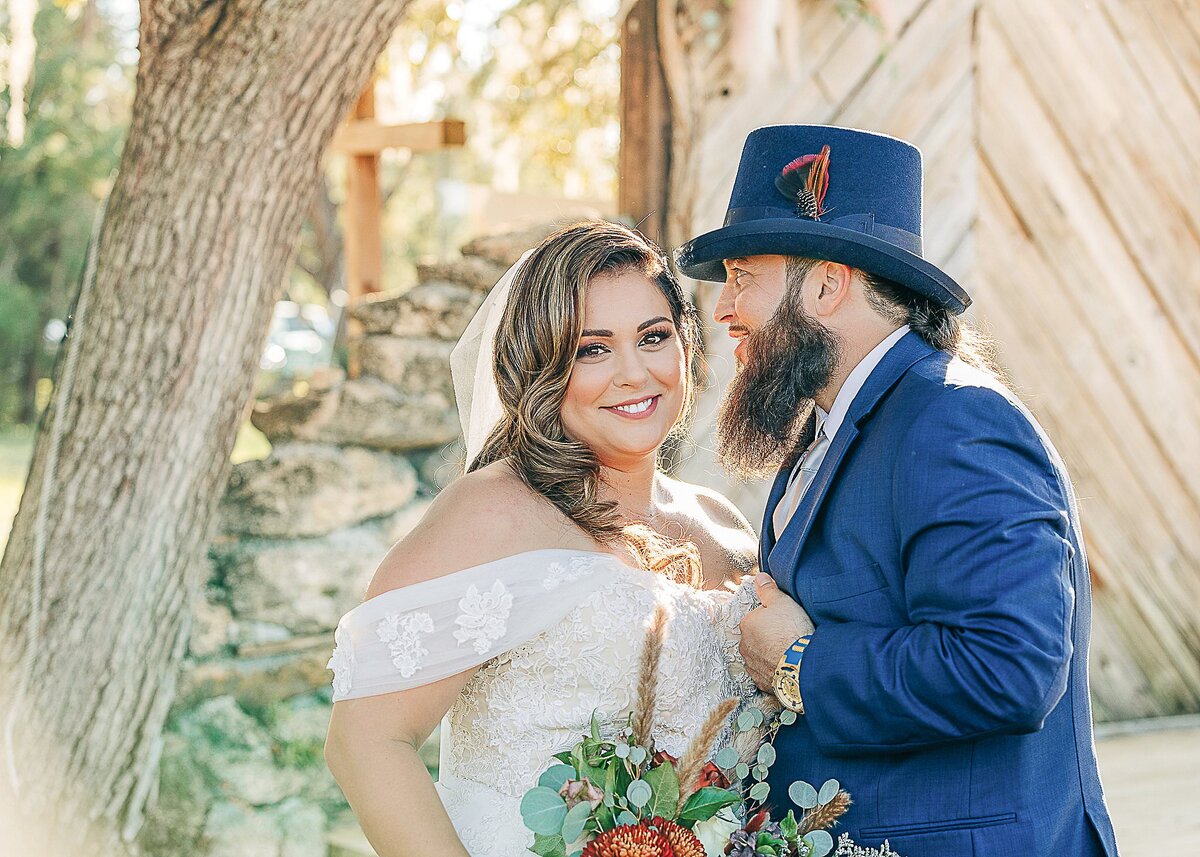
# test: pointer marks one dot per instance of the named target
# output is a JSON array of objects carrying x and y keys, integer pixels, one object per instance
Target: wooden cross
[{"x": 362, "y": 139}]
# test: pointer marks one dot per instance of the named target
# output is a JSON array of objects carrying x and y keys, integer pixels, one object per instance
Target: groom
[{"x": 919, "y": 515}]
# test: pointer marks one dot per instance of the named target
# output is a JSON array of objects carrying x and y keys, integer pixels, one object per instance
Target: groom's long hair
[{"x": 535, "y": 350}]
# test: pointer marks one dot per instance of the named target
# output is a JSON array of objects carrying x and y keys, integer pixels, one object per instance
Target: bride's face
[{"x": 627, "y": 386}]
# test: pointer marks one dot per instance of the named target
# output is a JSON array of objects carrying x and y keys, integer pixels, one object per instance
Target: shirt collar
[{"x": 858, "y": 376}]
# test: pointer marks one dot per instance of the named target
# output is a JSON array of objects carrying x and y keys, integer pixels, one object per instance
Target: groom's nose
[{"x": 723, "y": 311}]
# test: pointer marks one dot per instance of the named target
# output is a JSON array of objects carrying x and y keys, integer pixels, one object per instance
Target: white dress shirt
[{"x": 827, "y": 428}]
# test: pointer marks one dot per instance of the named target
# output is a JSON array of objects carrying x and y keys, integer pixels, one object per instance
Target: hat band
[{"x": 864, "y": 223}]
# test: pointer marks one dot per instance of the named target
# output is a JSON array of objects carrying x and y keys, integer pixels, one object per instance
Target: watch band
[{"x": 786, "y": 681}]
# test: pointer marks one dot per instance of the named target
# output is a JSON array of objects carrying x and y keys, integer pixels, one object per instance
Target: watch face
[{"x": 787, "y": 688}]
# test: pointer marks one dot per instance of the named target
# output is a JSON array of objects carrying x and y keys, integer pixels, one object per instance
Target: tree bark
[{"x": 236, "y": 103}]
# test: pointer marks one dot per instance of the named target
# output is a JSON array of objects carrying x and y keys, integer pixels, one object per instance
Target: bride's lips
[{"x": 639, "y": 416}]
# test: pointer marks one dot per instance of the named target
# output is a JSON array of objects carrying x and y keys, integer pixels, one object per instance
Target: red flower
[
  {"x": 630, "y": 841},
  {"x": 683, "y": 842},
  {"x": 710, "y": 775},
  {"x": 663, "y": 756}
]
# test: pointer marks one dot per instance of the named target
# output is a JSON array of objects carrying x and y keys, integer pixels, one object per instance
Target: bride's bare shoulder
[{"x": 478, "y": 518}]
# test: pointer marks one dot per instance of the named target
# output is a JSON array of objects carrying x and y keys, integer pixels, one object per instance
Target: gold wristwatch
[{"x": 786, "y": 682}]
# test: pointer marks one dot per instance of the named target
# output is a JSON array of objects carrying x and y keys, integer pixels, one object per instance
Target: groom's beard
[{"x": 787, "y": 362}]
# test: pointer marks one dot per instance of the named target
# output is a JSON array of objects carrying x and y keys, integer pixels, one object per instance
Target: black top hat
[{"x": 825, "y": 192}]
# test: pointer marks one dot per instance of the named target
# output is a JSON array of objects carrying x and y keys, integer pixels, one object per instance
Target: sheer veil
[{"x": 472, "y": 366}]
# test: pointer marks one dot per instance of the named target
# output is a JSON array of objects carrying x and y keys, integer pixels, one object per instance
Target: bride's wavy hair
[{"x": 535, "y": 351}]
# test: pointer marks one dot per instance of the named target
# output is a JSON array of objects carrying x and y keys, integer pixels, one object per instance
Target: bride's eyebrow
[{"x": 640, "y": 328}]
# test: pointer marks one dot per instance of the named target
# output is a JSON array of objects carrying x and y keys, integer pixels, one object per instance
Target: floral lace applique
[
  {"x": 342, "y": 664},
  {"x": 402, "y": 633},
  {"x": 557, "y": 574},
  {"x": 483, "y": 617}
]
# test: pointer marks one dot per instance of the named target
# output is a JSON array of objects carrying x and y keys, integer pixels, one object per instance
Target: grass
[{"x": 16, "y": 448}]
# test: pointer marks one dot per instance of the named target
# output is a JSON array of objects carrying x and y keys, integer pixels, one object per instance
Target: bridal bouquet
[{"x": 621, "y": 797}]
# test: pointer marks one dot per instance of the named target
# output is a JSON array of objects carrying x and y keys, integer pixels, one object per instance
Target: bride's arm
[
  {"x": 372, "y": 751},
  {"x": 373, "y": 740}
]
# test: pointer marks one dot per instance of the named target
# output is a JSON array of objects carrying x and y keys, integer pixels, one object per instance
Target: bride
[{"x": 519, "y": 605}]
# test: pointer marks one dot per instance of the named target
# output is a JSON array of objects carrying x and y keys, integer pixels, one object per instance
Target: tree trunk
[{"x": 236, "y": 103}]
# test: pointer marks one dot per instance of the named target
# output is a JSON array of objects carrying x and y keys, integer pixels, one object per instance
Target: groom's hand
[{"x": 767, "y": 631}]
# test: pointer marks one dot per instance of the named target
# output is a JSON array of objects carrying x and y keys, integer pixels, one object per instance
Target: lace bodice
[{"x": 536, "y": 697}]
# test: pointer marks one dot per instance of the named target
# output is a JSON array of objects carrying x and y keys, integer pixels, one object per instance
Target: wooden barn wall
[{"x": 1062, "y": 189}]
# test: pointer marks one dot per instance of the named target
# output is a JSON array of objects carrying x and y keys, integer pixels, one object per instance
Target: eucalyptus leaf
[
  {"x": 787, "y": 717},
  {"x": 556, "y": 776},
  {"x": 639, "y": 793},
  {"x": 543, "y": 810},
  {"x": 759, "y": 792},
  {"x": 572, "y": 827},
  {"x": 829, "y": 791},
  {"x": 759, "y": 773},
  {"x": 820, "y": 842},
  {"x": 665, "y": 783},
  {"x": 757, "y": 714},
  {"x": 627, "y": 817},
  {"x": 637, "y": 754},
  {"x": 766, "y": 755},
  {"x": 742, "y": 771},
  {"x": 803, "y": 795},
  {"x": 726, "y": 759},
  {"x": 706, "y": 803},
  {"x": 745, "y": 721},
  {"x": 622, "y": 750}
]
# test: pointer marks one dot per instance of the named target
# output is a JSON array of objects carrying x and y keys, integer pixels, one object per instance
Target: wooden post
[
  {"x": 363, "y": 226},
  {"x": 361, "y": 139},
  {"x": 644, "y": 161}
]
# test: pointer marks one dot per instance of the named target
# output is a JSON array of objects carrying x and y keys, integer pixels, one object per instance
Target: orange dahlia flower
[
  {"x": 683, "y": 842},
  {"x": 630, "y": 840}
]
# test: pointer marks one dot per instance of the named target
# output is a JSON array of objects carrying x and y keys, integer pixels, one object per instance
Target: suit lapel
[{"x": 783, "y": 556}]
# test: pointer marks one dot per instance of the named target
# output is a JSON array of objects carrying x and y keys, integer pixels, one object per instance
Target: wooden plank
[
  {"x": 1116, "y": 138},
  {"x": 951, "y": 172},
  {"x": 363, "y": 229},
  {"x": 1091, "y": 262},
  {"x": 1149, "y": 51},
  {"x": 1091, "y": 421},
  {"x": 365, "y": 136},
  {"x": 912, "y": 79},
  {"x": 643, "y": 162}
]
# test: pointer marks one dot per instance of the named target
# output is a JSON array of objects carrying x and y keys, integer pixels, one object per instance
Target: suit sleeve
[{"x": 983, "y": 530}]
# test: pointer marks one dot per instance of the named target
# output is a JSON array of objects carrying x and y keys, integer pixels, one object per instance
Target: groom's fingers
[{"x": 766, "y": 588}]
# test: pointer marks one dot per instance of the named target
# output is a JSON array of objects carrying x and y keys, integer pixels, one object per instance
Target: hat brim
[{"x": 701, "y": 258}]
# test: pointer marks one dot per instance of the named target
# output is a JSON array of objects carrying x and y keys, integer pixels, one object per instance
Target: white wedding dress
[{"x": 559, "y": 634}]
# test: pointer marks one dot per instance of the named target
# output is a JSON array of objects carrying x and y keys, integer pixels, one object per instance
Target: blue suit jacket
[{"x": 938, "y": 551}]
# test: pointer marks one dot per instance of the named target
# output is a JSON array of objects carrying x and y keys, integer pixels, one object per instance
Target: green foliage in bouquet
[{"x": 621, "y": 796}]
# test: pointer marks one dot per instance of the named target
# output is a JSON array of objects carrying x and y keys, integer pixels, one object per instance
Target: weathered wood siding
[{"x": 1062, "y": 185}]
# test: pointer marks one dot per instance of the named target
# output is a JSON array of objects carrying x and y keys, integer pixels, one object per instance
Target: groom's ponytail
[{"x": 935, "y": 324}]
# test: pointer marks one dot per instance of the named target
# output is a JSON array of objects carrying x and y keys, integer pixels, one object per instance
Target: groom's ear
[{"x": 834, "y": 281}]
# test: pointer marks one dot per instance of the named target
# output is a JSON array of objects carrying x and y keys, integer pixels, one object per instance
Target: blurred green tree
[{"x": 76, "y": 115}]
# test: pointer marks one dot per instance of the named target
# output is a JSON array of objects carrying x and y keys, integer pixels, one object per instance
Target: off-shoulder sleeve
[{"x": 419, "y": 634}]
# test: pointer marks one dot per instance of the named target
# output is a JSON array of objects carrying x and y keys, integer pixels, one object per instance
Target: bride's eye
[
  {"x": 656, "y": 337},
  {"x": 593, "y": 350}
]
